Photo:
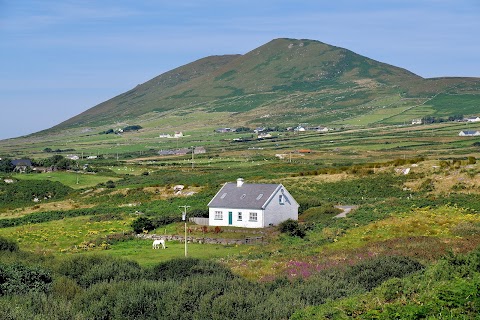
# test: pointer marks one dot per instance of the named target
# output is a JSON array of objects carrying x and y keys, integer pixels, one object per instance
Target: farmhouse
[
  {"x": 21, "y": 165},
  {"x": 469, "y": 133},
  {"x": 473, "y": 119},
  {"x": 251, "y": 205}
]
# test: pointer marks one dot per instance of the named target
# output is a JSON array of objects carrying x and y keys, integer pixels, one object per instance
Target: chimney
[{"x": 239, "y": 182}]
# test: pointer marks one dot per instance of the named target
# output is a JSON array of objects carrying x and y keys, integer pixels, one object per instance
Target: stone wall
[{"x": 207, "y": 240}]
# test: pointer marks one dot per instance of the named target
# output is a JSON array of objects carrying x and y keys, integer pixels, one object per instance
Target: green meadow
[{"x": 71, "y": 179}]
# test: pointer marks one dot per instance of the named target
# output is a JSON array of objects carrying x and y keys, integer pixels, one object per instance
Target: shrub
[
  {"x": 8, "y": 245},
  {"x": 92, "y": 269},
  {"x": 292, "y": 228},
  {"x": 142, "y": 223},
  {"x": 372, "y": 273},
  {"x": 178, "y": 269},
  {"x": 110, "y": 184},
  {"x": 164, "y": 220},
  {"x": 19, "y": 279}
]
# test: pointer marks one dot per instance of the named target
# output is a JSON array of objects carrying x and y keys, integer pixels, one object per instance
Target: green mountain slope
[{"x": 286, "y": 81}]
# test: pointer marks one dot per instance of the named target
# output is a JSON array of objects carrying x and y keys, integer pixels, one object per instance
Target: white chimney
[{"x": 239, "y": 182}]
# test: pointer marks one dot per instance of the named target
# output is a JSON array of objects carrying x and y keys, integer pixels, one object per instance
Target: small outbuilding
[{"x": 251, "y": 205}]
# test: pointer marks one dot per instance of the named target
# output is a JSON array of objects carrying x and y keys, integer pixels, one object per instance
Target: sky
[{"x": 60, "y": 58}]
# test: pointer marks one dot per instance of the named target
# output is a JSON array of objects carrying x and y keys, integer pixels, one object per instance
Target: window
[
  {"x": 243, "y": 196},
  {"x": 253, "y": 217},
  {"x": 218, "y": 215},
  {"x": 260, "y": 196},
  {"x": 223, "y": 195},
  {"x": 281, "y": 199},
  {"x": 239, "y": 218}
]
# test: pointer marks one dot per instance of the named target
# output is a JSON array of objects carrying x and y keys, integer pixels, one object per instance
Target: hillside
[{"x": 285, "y": 81}]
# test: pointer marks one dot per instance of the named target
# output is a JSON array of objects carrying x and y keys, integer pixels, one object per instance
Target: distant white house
[
  {"x": 321, "y": 129},
  {"x": 72, "y": 157},
  {"x": 473, "y": 119},
  {"x": 177, "y": 134},
  {"x": 469, "y": 133},
  {"x": 417, "y": 121},
  {"x": 299, "y": 129},
  {"x": 264, "y": 135},
  {"x": 251, "y": 205}
]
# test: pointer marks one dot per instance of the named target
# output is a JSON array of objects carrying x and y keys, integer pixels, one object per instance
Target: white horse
[{"x": 157, "y": 243}]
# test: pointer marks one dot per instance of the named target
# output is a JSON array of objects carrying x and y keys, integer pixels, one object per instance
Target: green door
[{"x": 230, "y": 218}]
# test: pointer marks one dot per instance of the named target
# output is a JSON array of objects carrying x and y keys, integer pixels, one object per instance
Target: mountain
[{"x": 286, "y": 81}]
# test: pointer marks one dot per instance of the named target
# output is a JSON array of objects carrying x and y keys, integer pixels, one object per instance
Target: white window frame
[
  {"x": 253, "y": 217},
  {"x": 239, "y": 216},
  {"x": 281, "y": 199},
  {"x": 218, "y": 215}
]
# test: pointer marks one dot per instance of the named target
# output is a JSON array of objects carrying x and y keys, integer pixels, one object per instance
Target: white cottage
[
  {"x": 469, "y": 133},
  {"x": 251, "y": 205}
]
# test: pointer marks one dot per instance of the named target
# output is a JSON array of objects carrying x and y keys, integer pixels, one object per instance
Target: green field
[
  {"x": 71, "y": 179},
  {"x": 142, "y": 252}
]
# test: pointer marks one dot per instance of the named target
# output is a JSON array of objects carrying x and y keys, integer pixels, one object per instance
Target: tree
[
  {"x": 6, "y": 165},
  {"x": 64, "y": 164},
  {"x": 142, "y": 223}
]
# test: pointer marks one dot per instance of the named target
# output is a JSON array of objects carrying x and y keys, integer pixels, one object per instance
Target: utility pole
[
  {"x": 184, "y": 218},
  {"x": 78, "y": 168},
  {"x": 193, "y": 151}
]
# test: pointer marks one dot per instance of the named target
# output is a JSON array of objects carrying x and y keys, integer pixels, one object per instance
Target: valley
[{"x": 334, "y": 128}]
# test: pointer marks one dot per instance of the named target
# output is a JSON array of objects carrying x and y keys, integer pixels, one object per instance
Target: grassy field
[
  {"x": 66, "y": 235},
  {"x": 142, "y": 252},
  {"x": 71, "y": 179}
]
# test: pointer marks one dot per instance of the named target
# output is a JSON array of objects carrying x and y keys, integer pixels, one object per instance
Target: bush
[
  {"x": 372, "y": 273},
  {"x": 164, "y": 220},
  {"x": 8, "y": 245},
  {"x": 292, "y": 228},
  {"x": 19, "y": 279},
  {"x": 110, "y": 184},
  {"x": 92, "y": 269},
  {"x": 142, "y": 223},
  {"x": 178, "y": 269}
]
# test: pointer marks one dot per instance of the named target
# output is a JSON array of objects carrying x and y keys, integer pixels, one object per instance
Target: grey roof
[
  {"x": 22, "y": 162},
  {"x": 248, "y": 196}
]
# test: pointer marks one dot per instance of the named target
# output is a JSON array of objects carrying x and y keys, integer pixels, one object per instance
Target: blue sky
[{"x": 59, "y": 58}]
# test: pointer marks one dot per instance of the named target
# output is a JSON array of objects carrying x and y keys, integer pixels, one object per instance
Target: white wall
[
  {"x": 276, "y": 213},
  {"x": 245, "y": 223}
]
